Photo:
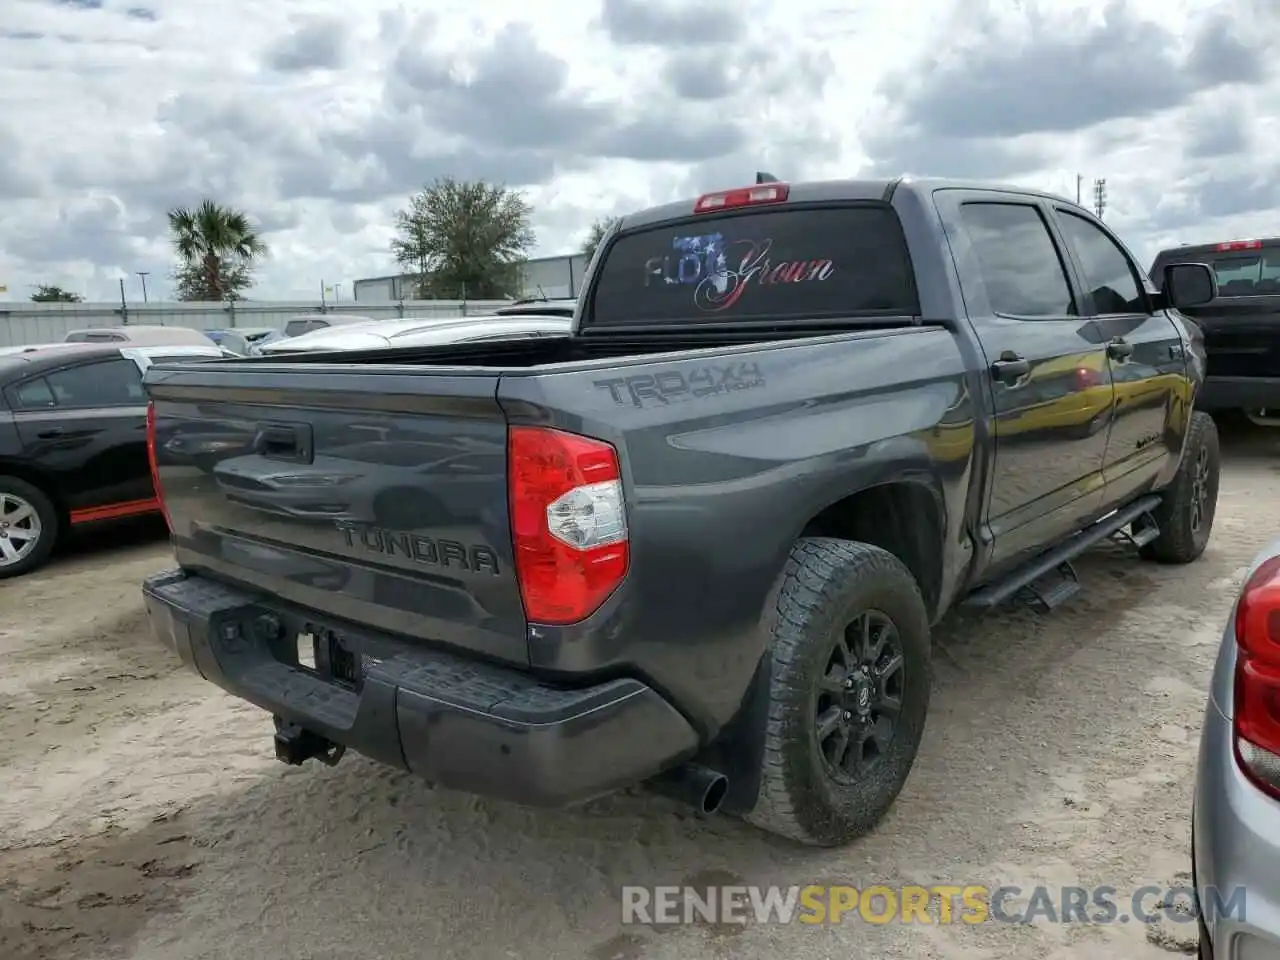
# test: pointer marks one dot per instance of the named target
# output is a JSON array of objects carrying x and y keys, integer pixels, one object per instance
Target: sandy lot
[{"x": 142, "y": 814}]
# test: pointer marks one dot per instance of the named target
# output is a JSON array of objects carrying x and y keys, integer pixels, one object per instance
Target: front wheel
[
  {"x": 848, "y": 692},
  {"x": 1186, "y": 512}
]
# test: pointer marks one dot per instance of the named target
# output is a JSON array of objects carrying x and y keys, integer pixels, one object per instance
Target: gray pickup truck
[{"x": 700, "y": 543}]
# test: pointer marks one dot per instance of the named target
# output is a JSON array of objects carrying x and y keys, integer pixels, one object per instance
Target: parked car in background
[
  {"x": 311, "y": 322},
  {"x": 1235, "y": 825},
  {"x": 73, "y": 451},
  {"x": 238, "y": 341},
  {"x": 1241, "y": 325},
  {"x": 141, "y": 335},
  {"x": 420, "y": 332}
]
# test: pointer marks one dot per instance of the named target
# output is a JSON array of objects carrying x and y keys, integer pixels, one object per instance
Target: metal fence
[{"x": 23, "y": 323}]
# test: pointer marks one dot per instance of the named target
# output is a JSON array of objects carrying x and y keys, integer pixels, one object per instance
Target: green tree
[
  {"x": 464, "y": 239},
  {"x": 217, "y": 251},
  {"x": 595, "y": 233},
  {"x": 52, "y": 293}
]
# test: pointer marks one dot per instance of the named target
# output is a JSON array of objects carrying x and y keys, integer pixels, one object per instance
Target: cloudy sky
[{"x": 320, "y": 117}]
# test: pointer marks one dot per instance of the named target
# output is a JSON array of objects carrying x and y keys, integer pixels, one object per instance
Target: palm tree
[{"x": 217, "y": 247}]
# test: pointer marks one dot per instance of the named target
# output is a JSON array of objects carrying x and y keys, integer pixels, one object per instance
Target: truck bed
[{"x": 373, "y": 487}]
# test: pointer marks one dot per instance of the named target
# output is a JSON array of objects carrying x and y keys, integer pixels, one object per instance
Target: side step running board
[{"x": 1058, "y": 559}]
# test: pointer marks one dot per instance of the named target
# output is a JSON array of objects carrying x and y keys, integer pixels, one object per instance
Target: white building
[{"x": 552, "y": 277}]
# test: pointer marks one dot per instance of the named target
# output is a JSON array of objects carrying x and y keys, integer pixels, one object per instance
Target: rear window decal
[{"x": 721, "y": 273}]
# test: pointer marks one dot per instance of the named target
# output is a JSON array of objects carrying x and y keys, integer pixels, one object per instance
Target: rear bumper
[
  {"x": 1239, "y": 393},
  {"x": 455, "y": 722}
]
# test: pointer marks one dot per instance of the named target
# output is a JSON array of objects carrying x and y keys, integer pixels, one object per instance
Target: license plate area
[{"x": 324, "y": 652}]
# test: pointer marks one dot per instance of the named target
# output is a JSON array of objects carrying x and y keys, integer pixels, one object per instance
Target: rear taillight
[
  {"x": 151, "y": 459},
  {"x": 1240, "y": 245},
  {"x": 742, "y": 197},
  {"x": 568, "y": 522},
  {"x": 1257, "y": 693}
]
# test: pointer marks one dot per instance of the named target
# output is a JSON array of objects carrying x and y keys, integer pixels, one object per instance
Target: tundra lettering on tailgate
[
  {"x": 475, "y": 557},
  {"x": 668, "y": 385}
]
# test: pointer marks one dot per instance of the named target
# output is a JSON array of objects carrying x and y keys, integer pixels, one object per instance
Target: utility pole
[
  {"x": 1099, "y": 197},
  {"x": 144, "y": 274},
  {"x": 1079, "y": 181},
  {"x": 124, "y": 305}
]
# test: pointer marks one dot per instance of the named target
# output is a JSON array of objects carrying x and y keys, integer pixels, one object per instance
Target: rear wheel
[
  {"x": 849, "y": 690},
  {"x": 1185, "y": 515},
  {"x": 28, "y": 527}
]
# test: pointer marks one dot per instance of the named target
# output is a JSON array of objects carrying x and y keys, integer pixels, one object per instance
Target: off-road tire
[
  {"x": 49, "y": 526},
  {"x": 826, "y": 585},
  {"x": 1180, "y": 541}
]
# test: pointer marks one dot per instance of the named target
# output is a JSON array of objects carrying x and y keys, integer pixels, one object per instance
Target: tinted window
[
  {"x": 107, "y": 383},
  {"x": 1021, "y": 269},
  {"x": 32, "y": 395},
  {"x": 295, "y": 328},
  {"x": 775, "y": 265},
  {"x": 1247, "y": 276},
  {"x": 1107, "y": 271}
]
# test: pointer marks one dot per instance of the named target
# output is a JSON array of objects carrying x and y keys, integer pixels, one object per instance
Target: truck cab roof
[{"x": 818, "y": 191}]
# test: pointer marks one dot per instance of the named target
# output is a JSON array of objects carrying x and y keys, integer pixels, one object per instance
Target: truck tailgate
[{"x": 377, "y": 496}]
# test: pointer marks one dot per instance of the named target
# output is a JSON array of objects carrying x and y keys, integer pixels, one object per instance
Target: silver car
[
  {"x": 1235, "y": 830},
  {"x": 421, "y": 332}
]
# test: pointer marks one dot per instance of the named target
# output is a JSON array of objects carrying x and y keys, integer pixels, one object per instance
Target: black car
[{"x": 73, "y": 442}]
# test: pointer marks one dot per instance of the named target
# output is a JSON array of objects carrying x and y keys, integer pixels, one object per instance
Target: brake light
[
  {"x": 742, "y": 197},
  {"x": 151, "y": 460},
  {"x": 1241, "y": 245},
  {"x": 1257, "y": 680},
  {"x": 568, "y": 522}
]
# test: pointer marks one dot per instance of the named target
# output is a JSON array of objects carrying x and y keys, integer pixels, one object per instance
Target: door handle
[
  {"x": 1010, "y": 367},
  {"x": 52, "y": 433},
  {"x": 284, "y": 441},
  {"x": 1119, "y": 349}
]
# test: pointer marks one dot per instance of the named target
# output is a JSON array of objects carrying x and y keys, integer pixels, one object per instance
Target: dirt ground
[{"x": 142, "y": 814}]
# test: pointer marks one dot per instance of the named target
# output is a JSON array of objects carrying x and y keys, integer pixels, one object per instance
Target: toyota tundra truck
[{"x": 700, "y": 543}]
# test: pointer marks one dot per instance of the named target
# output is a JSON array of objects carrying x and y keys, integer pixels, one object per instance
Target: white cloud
[{"x": 319, "y": 118}]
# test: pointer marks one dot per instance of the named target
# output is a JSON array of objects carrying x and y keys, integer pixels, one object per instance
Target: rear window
[
  {"x": 1240, "y": 273},
  {"x": 797, "y": 264},
  {"x": 1248, "y": 275}
]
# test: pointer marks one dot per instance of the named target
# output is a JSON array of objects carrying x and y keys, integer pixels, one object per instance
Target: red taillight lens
[
  {"x": 1257, "y": 692},
  {"x": 151, "y": 459},
  {"x": 1241, "y": 245},
  {"x": 568, "y": 522},
  {"x": 742, "y": 197}
]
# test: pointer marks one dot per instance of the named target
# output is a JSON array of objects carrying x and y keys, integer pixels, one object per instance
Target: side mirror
[{"x": 1189, "y": 285}]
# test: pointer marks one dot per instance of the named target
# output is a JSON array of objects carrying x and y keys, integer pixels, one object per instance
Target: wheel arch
[{"x": 907, "y": 517}]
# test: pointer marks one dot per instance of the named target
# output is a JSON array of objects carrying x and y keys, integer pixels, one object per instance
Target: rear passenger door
[
  {"x": 85, "y": 424},
  {"x": 1144, "y": 356},
  {"x": 1050, "y": 389}
]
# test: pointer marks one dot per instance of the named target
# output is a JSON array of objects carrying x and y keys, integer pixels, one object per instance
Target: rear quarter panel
[{"x": 726, "y": 455}]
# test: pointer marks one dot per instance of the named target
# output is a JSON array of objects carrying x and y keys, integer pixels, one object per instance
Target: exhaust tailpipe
[{"x": 701, "y": 787}]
